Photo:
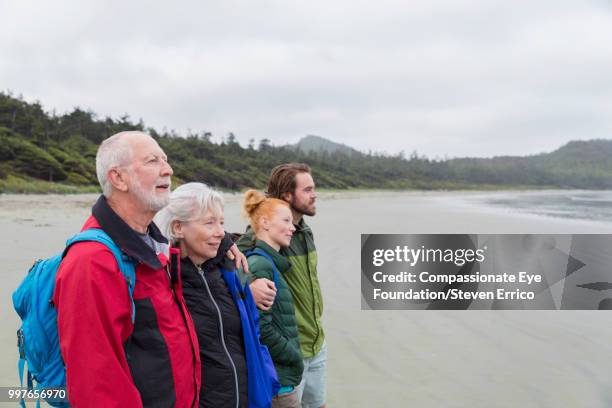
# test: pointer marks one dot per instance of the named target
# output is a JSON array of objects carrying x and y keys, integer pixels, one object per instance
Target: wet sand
[{"x": 386, "y": 358}]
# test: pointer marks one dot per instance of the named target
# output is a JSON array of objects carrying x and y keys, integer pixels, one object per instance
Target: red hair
[{"x": 256, "y": 205}]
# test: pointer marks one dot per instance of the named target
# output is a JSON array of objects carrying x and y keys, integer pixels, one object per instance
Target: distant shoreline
[
  {"x": 476, "y": 202},
  {"x": 22, "y": 186}
]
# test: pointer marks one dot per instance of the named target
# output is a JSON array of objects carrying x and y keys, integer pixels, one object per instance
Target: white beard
[{"x": 150, "y": 199}]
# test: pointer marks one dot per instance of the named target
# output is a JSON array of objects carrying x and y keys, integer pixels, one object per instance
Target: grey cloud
[{"x": 447, "y": 78}]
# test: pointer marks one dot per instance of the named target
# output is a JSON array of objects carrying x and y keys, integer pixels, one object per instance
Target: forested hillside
[{"x": 38, "y": 147}]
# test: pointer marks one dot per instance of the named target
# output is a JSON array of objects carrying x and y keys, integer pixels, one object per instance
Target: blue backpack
[{"x": 37, "y": 339}]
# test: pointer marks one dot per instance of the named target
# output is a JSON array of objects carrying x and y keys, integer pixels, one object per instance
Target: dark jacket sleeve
[
  {"x": 279, "y": 346},
  {"x": 94, "y": 320},
  {"x": 226, "y": 244}
]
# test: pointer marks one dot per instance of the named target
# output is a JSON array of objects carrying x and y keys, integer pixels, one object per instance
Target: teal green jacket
[
  {"x": 304, "y": 285},
  {"x": 277, "y": 325}
]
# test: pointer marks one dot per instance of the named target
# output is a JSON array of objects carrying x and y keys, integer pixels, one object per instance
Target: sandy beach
[{"x": 386, "y": 358}]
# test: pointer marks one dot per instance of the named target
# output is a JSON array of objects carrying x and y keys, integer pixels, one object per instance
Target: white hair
[
  {"x": 113, "y": 152},
  {"x": 188, "y": 202}
]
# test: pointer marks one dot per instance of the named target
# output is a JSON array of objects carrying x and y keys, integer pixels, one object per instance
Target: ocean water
[{"x": 575, "y": 204}]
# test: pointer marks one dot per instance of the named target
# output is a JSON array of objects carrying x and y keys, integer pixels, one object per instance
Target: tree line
[{"x": 36, "y": 145}]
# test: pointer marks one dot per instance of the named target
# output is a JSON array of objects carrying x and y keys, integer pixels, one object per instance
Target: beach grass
[{"x": 20, "y": 185}]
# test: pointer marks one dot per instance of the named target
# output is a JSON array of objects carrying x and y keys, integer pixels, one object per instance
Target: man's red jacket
[{"x": 111, "y": 362}]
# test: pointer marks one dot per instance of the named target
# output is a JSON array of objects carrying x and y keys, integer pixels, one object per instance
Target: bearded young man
[
  {"x": 113, "y": 357},
  {"x": 293, "y": 183}
]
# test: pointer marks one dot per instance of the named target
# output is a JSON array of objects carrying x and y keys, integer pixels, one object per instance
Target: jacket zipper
[
  {"x": 221, "y": 335},
  {"x": 314, "y": 303},
  {"x": 312, "y": 289},
  {"x": 180, "y": 306}
]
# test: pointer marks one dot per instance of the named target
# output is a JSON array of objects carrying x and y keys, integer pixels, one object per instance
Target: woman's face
[
  {"x": 281, "y": 226},
  {"x": 200, "y": 239}
]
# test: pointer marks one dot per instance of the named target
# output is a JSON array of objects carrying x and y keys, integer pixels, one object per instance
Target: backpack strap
[
  {"x": 21, "y": 364},
  {"x": 261, "y": 252},
  {"x": 126, "y": 264},
  {"x": 21, "y": 367}
]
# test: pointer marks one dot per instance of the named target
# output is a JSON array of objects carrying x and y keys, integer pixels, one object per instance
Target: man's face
[
  {"x": 149, "y": 173},
  {"x": 304, "y": 197}
]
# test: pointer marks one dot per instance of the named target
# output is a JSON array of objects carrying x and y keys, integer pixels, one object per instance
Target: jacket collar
[
  {"x": 302, "y": 226},
  {"x": 125, "y": 237},
  {"x": 280, "y": 261}
]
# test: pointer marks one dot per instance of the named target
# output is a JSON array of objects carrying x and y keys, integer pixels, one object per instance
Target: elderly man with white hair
[{"x": 124, "y": 343}]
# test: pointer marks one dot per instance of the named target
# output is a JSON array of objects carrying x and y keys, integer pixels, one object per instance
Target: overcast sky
[{"x": 445, "y": 78}]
